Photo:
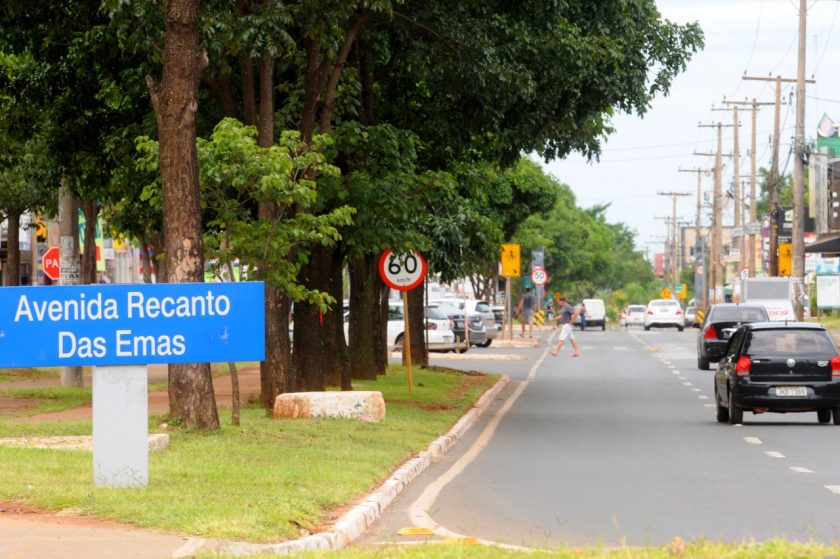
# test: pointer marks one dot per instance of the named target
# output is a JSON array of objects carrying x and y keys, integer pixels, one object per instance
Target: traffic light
[{"x": 40, "y": 229}]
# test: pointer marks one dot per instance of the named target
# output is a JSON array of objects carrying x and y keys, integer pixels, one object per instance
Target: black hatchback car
[
  {"x": 721, "y": 321},
  {"x": 780, "y": 367}
]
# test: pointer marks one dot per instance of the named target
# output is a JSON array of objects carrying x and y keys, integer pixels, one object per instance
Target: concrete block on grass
[{"x": 361, "y": 405}]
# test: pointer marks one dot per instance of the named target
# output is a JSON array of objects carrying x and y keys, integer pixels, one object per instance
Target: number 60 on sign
[{"x": 402, "y": 272}]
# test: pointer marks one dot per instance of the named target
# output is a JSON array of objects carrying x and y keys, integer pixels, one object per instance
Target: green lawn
[{"x": 263, "y": 481}]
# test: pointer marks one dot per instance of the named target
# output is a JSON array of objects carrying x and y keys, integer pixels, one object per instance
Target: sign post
[
  {"x": 403, "y": 273},
  {"x": 511, "y": 268},
  {"x": 119, "y": 329}
]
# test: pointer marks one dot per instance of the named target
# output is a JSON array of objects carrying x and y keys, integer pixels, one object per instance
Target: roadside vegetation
[{"x": 266, "y": 480}]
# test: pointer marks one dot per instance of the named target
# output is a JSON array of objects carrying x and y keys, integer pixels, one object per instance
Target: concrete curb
[{"x": 353, "y": 524}]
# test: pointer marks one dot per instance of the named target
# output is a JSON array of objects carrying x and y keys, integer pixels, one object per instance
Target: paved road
[{"x": 621, "y": 446}]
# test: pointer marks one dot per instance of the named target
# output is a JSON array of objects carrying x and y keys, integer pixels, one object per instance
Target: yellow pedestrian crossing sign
[{"x": 510, "y": 261}]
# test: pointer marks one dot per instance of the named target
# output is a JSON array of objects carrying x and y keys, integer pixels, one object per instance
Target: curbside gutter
[{"x": 353, "y": 523}]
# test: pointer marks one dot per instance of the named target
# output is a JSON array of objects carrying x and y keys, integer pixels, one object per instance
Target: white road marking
[
  {"x": 675, "y": 372},
  {"x": 833, "y": 488},
  {"x": 703, "y": 397},
  {"x": 666, "y": 361},
  {"x": 774, "y": 454},
  {"x": 696, "y": 390},
  {"x": 752, "y": 440},
  {"x": 801, "y": 470},
  {"x": 687, "y": 384},
  {"x": 708, "y": 405},
  {"x": 620, "y": 348}
]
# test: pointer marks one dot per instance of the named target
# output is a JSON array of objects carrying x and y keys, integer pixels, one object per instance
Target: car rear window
[
  {"x": 789, "y": 342},
  {"x": 636, "y": 308},
  {"x": 481, "y": 306},
  {"x": 738, "y": 314},
  {"x": 435, "y": 313},
  {"x": 663, "y": 303}
]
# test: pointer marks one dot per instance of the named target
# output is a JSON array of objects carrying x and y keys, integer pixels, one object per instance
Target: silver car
[{"x": 477, "y": 307}]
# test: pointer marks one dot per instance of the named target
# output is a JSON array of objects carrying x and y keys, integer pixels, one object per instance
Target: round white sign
[
  {"x": 402, "y": 272},
  {"x": 539, "y": 276}
]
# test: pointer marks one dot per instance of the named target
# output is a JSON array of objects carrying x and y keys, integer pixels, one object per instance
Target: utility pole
[
  {"x": 716, "y": 257},
  {"x": 674, "y": 262},
  {"x": 774, "y": 168},
  {"x": 798, "y": 233},
  {"x": 701, "y": 292},
  {"x": 752, "y": 226}
]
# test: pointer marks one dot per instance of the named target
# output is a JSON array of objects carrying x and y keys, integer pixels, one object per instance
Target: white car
[
  {"x": 438, "y": 326},
  {"x": 475, "y": 307},
  {"x": 664, "y": 312},
  {"x": 635, "y": 315}
]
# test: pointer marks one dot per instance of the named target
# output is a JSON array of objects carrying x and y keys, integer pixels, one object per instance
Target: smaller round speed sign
[
  {"x": 402, "y": 272},
  {"x": 539, "y": 276}
]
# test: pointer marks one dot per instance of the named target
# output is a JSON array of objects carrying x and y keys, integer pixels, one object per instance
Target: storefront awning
[{"x": 825, "y": 246}]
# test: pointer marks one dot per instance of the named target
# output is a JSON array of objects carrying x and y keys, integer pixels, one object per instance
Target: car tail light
[
  {"x": 835, "y": 366},
  {"x": 710, "y": 333},
  {"x": 431, "y": 326},
  {"x": 679, "y": 312},
  {"x": 650, "y": 312},
  {"x": 742, "y": 367}
]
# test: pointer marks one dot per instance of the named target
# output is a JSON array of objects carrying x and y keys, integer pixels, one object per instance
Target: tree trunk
[
  {"x": 275, "y": 372},
  {"x": 310, "y": 338},
  {"x": 417, "y": 330},
  {"x": 175, "y": 100},
  {"x": 11, "y": 273},
  {"x": 338, "y": 366},
  {"x": 234, "y": 398},
  {"x": 91, "y": 211},
  {"x": 364, "y": 318},
  {"x": 68, "y": 254},
  {"x": 380, "y": 334}
]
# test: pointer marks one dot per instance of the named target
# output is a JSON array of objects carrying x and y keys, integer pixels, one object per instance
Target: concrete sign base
[{"x": 120, "y": 426}]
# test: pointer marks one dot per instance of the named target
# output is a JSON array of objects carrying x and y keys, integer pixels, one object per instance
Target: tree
[{"x": 175, "y": 101}]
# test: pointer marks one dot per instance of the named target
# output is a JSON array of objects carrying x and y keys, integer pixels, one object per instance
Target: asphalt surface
[{"x": 621, "y": 447}]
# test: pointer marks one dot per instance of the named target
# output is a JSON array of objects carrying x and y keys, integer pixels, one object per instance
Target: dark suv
[{"x": 722, "y": 320}]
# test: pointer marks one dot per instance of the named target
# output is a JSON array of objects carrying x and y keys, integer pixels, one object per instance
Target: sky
[{"x": 643, "y": 157}]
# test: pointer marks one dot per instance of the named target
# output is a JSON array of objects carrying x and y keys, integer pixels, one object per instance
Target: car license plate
[{"x": 791, "y": 391}]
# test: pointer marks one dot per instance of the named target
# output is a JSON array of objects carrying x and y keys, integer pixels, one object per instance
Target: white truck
[{"x": 775, "y": 294}]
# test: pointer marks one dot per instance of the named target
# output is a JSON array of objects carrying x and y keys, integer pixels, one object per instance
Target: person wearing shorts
[
  {"x": 526, "y": 311},
  {"x": 565, "y": 317}
]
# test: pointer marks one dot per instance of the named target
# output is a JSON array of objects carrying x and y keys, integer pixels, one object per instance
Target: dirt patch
[
  {"x": 16, "y": 405},
  {"x": 430, "y": 406}
]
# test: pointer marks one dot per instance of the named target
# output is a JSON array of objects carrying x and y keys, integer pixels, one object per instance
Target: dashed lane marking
[
  {"x": 619, "y": 348},
  {"x": 676, "y": 372},
  {"x": 801, "y": 470},
  {"x": 752, "y": 440},
  {"x": 774, "y": 454},
  {"x": 703, "y": 397},
  {"x": 697, "y": 390},
  {"x": 708, "y": 405},
  {"x": 833, "y": 488},
  {"x": 687, "y": 384}
]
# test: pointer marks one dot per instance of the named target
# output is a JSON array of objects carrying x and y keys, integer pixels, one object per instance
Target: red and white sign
[
  {"x": 50, "y": 263},
  {"x": 404, "y": 272},
  {"x": 539, "y": 276}
]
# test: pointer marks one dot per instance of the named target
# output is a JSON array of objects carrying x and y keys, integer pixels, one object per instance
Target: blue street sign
[{"x": 131, "y": 324}]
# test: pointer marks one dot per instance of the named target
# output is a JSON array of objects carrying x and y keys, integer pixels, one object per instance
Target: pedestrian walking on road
[
  {"x": 526, "y": 312},
  {"x": 566, "y": 315}
]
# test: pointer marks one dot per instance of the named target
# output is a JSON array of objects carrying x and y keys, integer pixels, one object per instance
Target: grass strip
[{"x": 264, "y": 481}]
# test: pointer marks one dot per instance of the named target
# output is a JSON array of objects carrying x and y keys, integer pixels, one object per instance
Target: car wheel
[
  {"x": 460, "y": 346},
  {"x": 398, "y": 343},
  {"x": 722, "y": 412},
  {"x": 824, "y": 415},
  {"x": 485, "y": 344},
  {"x": 647, "y": 328},
  {"x": 835, "y": 415},
  {"x": 702, "y": 363},
  {"x": 603, "y": 326},
  {"x": 680, "y": 328},
  {"x": 736, "y": 414}
]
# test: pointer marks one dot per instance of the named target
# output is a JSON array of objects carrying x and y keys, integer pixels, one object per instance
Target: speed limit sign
[
  {"x": 539, "y": 276},
  {"x": 402, "y": 272}
]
